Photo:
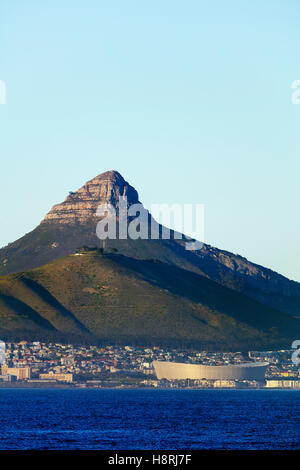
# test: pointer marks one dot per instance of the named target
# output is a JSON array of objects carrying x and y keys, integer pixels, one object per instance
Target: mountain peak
[
  {"x": 81, "y": 205},
  {"x": 111, "y": 175}
]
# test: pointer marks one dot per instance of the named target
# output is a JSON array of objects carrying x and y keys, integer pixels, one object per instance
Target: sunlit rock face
[{"x": 81, "y": 205}]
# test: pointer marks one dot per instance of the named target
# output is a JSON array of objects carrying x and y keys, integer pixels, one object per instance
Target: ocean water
[{"x": 149, "y": 419}]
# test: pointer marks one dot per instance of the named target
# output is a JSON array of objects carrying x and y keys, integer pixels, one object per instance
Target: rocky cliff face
[
  {"x": 72, "y": 224},
  {"x": 81, "y": 205},
  {"x": 256, "y": 275}
]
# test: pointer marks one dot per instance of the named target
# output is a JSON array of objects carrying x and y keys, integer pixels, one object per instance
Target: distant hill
[
  {"x": 72, "y": 224},
  {"x": 96, "y": 297}
]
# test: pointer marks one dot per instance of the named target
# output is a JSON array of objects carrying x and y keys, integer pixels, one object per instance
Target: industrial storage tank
[{"x": 181, "y": 371}]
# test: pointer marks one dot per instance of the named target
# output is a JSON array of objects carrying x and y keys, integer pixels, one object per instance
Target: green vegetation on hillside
[{"x": 95, "y": 296}]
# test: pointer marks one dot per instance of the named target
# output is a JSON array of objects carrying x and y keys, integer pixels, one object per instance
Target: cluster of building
[{"x": 115, "y": 366}]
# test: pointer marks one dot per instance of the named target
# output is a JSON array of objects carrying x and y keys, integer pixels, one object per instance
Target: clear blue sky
[{"x": 190, "y": 101}]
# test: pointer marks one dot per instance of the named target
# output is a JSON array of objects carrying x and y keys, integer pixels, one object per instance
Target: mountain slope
[
  {"x": 109, "y": 297},
  {"x": 72, "y": 224}
]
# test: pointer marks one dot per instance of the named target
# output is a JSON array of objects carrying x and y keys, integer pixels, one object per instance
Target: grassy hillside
[
  {"x": 110, "y": 297},
  {"x": 51, "y": 240}
]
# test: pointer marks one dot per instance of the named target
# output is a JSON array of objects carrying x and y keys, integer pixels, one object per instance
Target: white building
[
  {"x": 180, "y": 371},
  {"x": 283, "y": 384}
]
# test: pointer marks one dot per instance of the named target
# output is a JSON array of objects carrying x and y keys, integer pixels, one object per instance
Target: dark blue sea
[{"x": 149, "y": 419}]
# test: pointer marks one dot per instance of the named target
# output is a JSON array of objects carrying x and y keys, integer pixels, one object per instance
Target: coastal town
[{"x": 38, "y": 364}]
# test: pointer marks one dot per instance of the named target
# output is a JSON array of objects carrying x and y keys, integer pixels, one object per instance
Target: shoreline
[{"x": 52, "y": 386}]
